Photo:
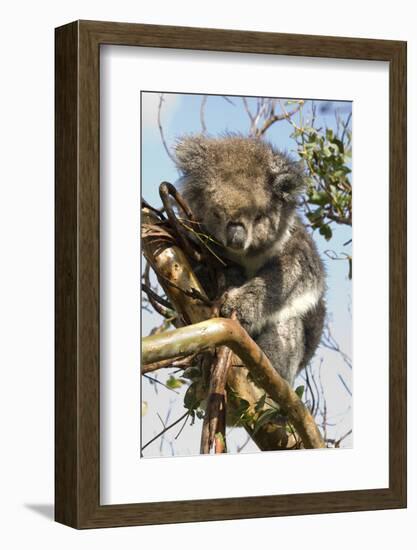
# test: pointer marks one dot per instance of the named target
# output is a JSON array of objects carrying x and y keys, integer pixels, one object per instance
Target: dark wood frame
[{"x": 77, "y": 406}]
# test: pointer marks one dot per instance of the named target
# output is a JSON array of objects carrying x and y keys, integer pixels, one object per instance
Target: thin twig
[
  {"x": 163, "y": 307},
  {"x": 228, "y": 100},
  {"x": 337, "y": 442},
  {"x": 344, "y": 384},
  {"x": 192, "y": 293},
  {"x": 156, "y": 381},
  {"x": 328, "y": 341},
  {"x": 241, "y": 447},
  {"x": 247, "y": 109},
  {"x": 310, "y": 388},
  {"x": 165, "y": 430},
  {"x": 179, "y": 362},
  {"x": 202, "y": 108},
  {"x": 167, "y": 190},
  {"x": 158, "y": 211},
  {"x": 161, "y": 130},
  {"x": 183, "y": 426},
  {"x": 345, "y": 127}
]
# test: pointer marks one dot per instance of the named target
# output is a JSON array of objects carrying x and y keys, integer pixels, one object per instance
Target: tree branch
[
  {"x": 175, "y": 275},
  {"x": 215, "y": 417},
  {"x": 226, "y": 332}
]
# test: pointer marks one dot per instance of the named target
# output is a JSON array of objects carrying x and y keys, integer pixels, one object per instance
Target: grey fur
[{"x": 245, "y": 194}]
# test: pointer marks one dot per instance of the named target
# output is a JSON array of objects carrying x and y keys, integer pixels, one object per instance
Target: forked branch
[{"x": 226, "y": 332}]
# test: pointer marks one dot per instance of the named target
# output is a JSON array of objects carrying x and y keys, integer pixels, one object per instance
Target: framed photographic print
[{"x": 230, "y": 274}]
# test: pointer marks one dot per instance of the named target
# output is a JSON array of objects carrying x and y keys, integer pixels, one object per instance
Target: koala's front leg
[
  {"x": 259, "y": 298},
  {"x": 248, "y": 303}
]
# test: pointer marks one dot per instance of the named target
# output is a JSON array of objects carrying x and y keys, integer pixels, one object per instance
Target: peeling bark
[{"x": 174, "y": 273}]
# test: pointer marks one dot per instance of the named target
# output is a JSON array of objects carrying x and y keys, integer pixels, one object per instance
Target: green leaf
[
  {"x": 329, "y": 134},
  {"x": 316, "y": 216},
  {"x": 200, "y": 413},
  {"x": 265, "y": 417},
  {"x": 339, "y": 143},
  {"x": 334, "y": 149},
  {"x": 243, "y": 406},
  {"x": 300, "y": 391},
  {"x": 192, "y": 373},
  {"x": 326, "y": 231},
  {"x": 319, "y": 197},
  {"x": 190, "y": 397},
  {"x": 327, "y": 151},
  {"x": 242, "y": 413},
  {"x": 260, "y": 403},
  {"x": 174, "y": 383},
  {"x": 219, "y": 437}
]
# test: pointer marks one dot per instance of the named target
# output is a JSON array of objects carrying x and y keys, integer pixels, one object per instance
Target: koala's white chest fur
[
  {"x": 299, "y": 305},
  {"x": 294, "y": 308}
]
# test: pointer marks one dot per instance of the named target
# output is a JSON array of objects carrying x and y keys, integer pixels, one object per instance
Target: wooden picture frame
[{"x": 77, "y": 374}]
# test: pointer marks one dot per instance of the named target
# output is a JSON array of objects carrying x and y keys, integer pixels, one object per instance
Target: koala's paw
[{"x": 237, "y": 300}]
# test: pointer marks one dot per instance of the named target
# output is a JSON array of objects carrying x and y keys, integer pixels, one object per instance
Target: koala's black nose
[{"x": 236, "y": 235}]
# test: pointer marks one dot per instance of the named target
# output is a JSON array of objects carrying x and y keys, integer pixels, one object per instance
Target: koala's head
[{"x": 242, "y": 190}]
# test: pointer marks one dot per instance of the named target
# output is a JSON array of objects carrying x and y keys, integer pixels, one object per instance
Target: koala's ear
[
  {"x": 191, "y": 153},
  {"x": 287, "y": 177}
]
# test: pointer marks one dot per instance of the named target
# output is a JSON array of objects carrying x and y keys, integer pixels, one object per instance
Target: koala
[{"x": 244, "y": 193}]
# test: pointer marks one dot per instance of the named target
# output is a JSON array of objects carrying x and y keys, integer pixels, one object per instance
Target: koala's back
[{"x": 294, "y": 318}]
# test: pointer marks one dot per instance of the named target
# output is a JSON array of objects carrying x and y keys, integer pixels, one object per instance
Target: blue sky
[{"x": 180, "y": 114}]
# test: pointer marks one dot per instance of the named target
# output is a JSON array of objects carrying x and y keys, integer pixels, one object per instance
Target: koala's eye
[
  {"x": 258, "y": 218},
  {"x": 216, "y": 215}
]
